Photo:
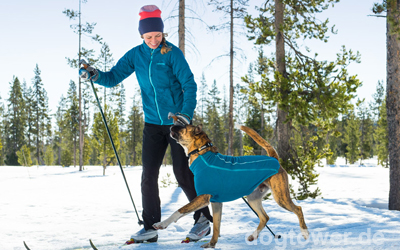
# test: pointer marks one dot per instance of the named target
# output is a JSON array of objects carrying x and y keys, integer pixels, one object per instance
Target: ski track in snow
[{"x": 51, "y": 207}]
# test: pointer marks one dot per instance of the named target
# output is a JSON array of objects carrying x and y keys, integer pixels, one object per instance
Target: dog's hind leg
[
  {"x": 279, "y": 186},
  {"x": 255, "y": 202}
]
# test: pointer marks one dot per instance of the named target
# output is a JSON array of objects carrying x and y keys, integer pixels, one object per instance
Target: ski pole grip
[{"x": 84, "y": 63}]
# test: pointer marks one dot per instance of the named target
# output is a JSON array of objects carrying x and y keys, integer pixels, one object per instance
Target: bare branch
[{"x": 378, "y": 16}]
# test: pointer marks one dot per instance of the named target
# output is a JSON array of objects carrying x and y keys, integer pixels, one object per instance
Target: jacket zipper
[{"x": 154, "y": 89}]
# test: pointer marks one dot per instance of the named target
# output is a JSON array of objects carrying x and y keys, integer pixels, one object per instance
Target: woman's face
[{"x": 153, "y": 39}]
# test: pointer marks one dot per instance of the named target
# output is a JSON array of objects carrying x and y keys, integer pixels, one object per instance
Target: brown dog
[{"x": 196, "y": 143}]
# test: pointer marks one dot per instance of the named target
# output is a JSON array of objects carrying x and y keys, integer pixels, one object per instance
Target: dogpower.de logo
[{"x": 319, "y": 238}]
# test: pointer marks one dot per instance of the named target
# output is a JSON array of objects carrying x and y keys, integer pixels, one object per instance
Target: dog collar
[{"x": 208, "y": 144}]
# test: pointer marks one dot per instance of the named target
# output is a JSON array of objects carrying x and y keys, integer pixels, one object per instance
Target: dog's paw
[
  {"x": 305, "y": 233},
  {"x": 209, "y": 245},
  {"x": 252, "y": 236},
  {"x": 160, "y": 225}
]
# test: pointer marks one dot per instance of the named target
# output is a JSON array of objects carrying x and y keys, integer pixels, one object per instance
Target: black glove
[
  {"x": 89, "y": 73},
  {"x": 180, "y": 119}
]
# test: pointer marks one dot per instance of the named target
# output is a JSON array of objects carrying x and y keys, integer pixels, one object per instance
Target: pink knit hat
[{"x": 150, "y": 19}]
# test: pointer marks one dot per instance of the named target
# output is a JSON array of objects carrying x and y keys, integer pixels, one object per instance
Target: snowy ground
[{"x": 62, "y": 208}]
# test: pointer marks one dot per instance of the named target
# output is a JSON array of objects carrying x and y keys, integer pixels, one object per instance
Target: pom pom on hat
[{"x": 150, "y": 19}]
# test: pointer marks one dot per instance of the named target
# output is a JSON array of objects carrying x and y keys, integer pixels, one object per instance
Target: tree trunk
[
  {"x": 134, "y": 140},
  {"x": 74, "y": 152},
  {"x": 81, "y": 134},
  {"x": 282, "y": 126},
  {"x": 37, "y": 134},
  {"x": 181, "y": 28},
  {"x": 59, "y": 154},
  {"x": 393, "y": 106},
  {"x": 230, "y": 136}
]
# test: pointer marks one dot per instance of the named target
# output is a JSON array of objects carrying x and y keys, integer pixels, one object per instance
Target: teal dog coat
[{"x": 228, "y": 178}]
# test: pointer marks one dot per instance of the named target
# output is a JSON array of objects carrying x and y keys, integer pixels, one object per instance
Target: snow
[{"x": 51, "y": 207}]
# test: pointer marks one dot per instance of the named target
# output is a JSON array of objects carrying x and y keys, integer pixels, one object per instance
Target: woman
[{"x": 167, "y": 85}]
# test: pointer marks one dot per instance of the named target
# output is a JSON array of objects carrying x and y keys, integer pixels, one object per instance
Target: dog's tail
[{"x": 260, "y": 141}]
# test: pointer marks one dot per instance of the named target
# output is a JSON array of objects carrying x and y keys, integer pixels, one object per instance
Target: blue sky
[{"x": 37, "y": 32}]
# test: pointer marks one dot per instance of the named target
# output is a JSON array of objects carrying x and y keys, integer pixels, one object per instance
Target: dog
[{"x": 198, "y": 148}]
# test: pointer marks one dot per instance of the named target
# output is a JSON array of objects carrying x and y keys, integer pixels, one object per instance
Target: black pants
[{"x": 155, "y": 142}]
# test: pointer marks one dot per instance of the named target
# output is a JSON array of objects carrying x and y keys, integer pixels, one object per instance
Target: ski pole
[
  {"x": 85, "y": 65},
  {"x": 275, "y": 236}
]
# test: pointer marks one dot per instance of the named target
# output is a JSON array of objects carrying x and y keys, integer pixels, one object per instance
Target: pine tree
[
  {"x": 59, "y": 132},
  {"x": 66, "y": 157},
  {"x": 120, "y": 101},
  {"x": 379, "y": 98},
  {"x": 305, "y": 90},
  {"x": 80, "y": 29},
  {"x": 40, "y": 111},
  {"x": 235, "y": 10},
  {"x": 134, "y": 131},
  {"x": 381, "y": 137},
  {"x": 48, "y": 156},
  {"x": 15, "y": 124},
  {"x": 225, "y": 118},
  {"x": 102, "y": 142},
  {"x": 240, "y": 111},
  {"x": 198, "y": 118},
  {"x": 94, "y": 152},
  {"x": 119, "y": 98},
  {"x": 213, "y": 122},
  {"x": 105, "y": 60},
  {"x": 87, "y": 148},
  {"x": 255, "y": 110},
  {"x": 27, "y": 93},
  {"x": 24, "y": 156},
  {"x": 2, "y": 131},
  {"x": 366, "y": 129},
  {"x": 72, "y": 120},
  {"x": 341, "y": 127},
  {"x": 392, "y": 7},
  {"x": 334, "y": 141},
  {"x": 374, "y": 106},
  {"x": 242, "y": 95},
  {"x": 253, "y": 120},
  {"x": 352, "y": 138},
  {"x": 307, "y": 153}
]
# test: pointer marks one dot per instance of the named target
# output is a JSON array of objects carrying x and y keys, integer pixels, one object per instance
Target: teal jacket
[
  {"x": 228, "y": 178},
  {"x": 166, "y": 81}
]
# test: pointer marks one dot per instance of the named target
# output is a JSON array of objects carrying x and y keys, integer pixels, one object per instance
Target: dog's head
[
  {"x": 190, "y": 137},
  {"x": 186, "y": 135}
]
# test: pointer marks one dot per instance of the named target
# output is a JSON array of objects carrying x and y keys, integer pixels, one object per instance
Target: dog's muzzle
[{"x": 174, "y": 131}]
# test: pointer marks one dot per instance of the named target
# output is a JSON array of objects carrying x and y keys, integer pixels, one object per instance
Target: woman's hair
[{"x": 165, "y": 48}]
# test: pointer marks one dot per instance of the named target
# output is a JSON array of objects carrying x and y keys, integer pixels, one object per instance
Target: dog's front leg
[
  {"x": 217, "y": 214},
  {"x": 197, "y": 203}
]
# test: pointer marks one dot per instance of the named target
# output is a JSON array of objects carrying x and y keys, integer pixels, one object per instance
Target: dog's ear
[{"x": 198, "y": 129}]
